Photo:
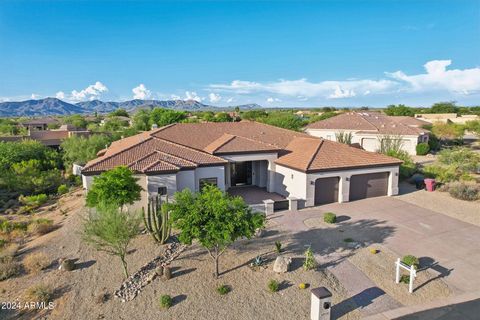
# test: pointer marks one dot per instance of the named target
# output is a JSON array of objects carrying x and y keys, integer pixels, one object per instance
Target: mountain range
[{"x": 54, "y": 106}]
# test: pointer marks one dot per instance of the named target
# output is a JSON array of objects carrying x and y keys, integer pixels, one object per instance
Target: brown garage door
[
  {"x": 368, "y": 185},
  {"x": 326, "y": 190}
]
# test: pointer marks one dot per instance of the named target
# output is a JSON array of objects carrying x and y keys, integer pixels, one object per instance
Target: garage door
[
  {"x": 326, "y": 190},
  {"x": 368, "y": 185}
]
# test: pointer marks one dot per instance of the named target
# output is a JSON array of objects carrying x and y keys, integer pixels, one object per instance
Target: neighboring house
[
  {"x": 39, "y": 124},
  {"x": 51, "y": 138},
  {"x": 237, "y": 154},
  {"x": 368, "y": 129},
  {"x": 446, "y": 117}
]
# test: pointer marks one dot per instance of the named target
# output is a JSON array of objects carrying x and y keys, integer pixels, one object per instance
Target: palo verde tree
[
  {"x": 214, "y": 218},
  {"x": 114, "y": 187},
  {"x": 111, "y": 230}
]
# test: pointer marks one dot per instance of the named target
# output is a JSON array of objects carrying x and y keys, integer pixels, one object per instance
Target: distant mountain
[
  {"x": 247, "y": 106},
  {"x": 42, "y": 107},
  {"x": 53, "y": 106}
]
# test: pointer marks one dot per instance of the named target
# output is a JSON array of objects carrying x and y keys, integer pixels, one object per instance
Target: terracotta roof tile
[{"x": 229, "y": 144}]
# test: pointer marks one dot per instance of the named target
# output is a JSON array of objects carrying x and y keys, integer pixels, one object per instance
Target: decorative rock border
[{"x": 137, "y": 281}]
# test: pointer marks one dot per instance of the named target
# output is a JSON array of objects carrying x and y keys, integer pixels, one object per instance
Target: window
[
  {"x": 162, "y": 191},
  {"x": 205, "y": 181}
]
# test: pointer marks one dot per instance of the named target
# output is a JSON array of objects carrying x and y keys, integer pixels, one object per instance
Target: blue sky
[{"x": 313, "y": 53}]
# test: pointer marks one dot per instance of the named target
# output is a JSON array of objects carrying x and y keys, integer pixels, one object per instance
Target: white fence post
[
  {"x": 397, "y": 274},
  {"x": 410, "y": 269}
]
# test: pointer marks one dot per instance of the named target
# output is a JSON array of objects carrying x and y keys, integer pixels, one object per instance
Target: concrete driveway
[{"x": 449, "y": 245}]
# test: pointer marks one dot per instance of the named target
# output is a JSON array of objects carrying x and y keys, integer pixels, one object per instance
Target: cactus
[{"x": 156, "y": 220}]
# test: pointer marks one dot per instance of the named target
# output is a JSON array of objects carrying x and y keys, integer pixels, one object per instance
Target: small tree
[
  {"x": 213, "y": 218},
  {"x": 117, "y": 186},
  {"x": 111, "y": 230}
]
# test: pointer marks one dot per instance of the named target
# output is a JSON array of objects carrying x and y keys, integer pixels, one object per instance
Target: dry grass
[
  {"x": 9, "y": 251},
  {"x": 41, "y": 227},
  {"x": 8, "y": 268},
  {"x": 36, "y": 262},
  {"x": 39, "y": 293}
]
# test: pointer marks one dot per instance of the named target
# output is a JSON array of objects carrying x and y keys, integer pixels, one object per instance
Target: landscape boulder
[
  {"x": 67, "y": 265},
  {"x": 282, "y": 264}
]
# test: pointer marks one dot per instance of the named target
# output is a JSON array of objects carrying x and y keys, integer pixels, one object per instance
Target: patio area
[{"x": 254, "y": 195}]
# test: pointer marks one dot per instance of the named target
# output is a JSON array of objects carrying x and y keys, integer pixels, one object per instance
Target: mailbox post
[{"x": 321, "y": 304}]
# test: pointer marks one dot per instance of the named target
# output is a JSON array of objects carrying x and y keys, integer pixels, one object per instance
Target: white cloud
[
  {"x": 34, "y": 96},
  {"x": 230, "y": 100},
  {"x": 437, "y": 78},
  {"x": 192, "y": 95},
  {"x": 60, "y": 95},
  {"x": 214, "y": 97},
  {"x": 91, "y": 92},
  {"x": 141, "y": 92},
  {"x": 342, "y": 93},
  {"x": 271, "y": 100}
]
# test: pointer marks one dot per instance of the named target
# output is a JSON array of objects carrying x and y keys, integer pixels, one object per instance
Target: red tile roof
[
  {"x": 367, "y": 122},
  {"x": 189, "y": 145}
]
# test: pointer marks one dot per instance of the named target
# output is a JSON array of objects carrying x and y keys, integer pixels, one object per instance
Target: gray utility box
[{"x": 321, "y": 304}]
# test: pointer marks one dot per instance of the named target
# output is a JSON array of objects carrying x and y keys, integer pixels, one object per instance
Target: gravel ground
[
  {"x": 441, "y": 202},
  {"x": 380, "y": 269},
  {"x": 78, "y": 294}
]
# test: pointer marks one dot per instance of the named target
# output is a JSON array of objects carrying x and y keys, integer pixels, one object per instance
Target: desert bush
[
  {"x": 343, "y": 137},
  {"x": 223, "y": 289},
  {"x": 441, "y": 174},
  {"x": 390, "y": 144},
  {"x": 7, "y": 226},
  {"x": 62, "y": 189},
  {"x": 410, "y": 260},
  {"x": 74, "y": 180},
  {"x": 3, "y": 243},
  {"x": 464, "y": 159},
  {"x": 166, "y": 301},
  {"x": 9, "y": 251},
  {"x": 405, "y": 279},
  {"x": 422, "y": 148},
  {"x": 330, "y": 217},
  {"x": 278, "y": 246},
  {"x": 39, "y": 293},
  {"x": 469, "y": 191},
  {"x": 273, "y": 285},
  {"x": 34, "y": 201},
  {"x": 408, "y": 167},
  {"x": 309, "y": 263},
  {"x": 41, "y": 226},
  {"x": 8, "y": 268},
  {"x": 36, "y": 262}
]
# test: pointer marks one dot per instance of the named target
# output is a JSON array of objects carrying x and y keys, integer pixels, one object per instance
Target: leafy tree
[
  {"x": 115, "y": 124},
  {"x": 222, "y": 117},
  {"x": 30, "y": 177},
  {"x": 163, "y": 117},
  {"x": 76, "y": 120},
  {"x": 14, "y": 152},
  {"x": 214, "y": 218},
  {"x": 444, "y": 107},
  {"x": 254, "y": 114},
  {"x": 399, "y": 110},
  {"x": 208, "y": 116},
  {"x": 141, "y": 120},
  {"x": 114, "y": 187},
  {"x": 448, "y": 131},
  {"x": 120, "y": 112},
  {"x": 111, "y": 230},
  {"x": 80, "y": 150},
  {"x": 285, "y": 120}
]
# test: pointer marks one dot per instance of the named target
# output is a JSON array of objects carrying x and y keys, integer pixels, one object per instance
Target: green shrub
[
  {"x": 469, "y": 191},
  {"x": 405, "y": 279},
  {"x": 330, "y": 217},
  {"x": 348, "y": 240},
  {"x": 422, "y": 148},
  {"x": 433, "y": 142},
  {"x": 34, "y": 201},
  {"x": 39, "y": 293},
  {"x": 273, "y": 285},
  {"x": 62, "y": 189},
  {"x": 223, "y": 289},
  {"x": 166, "y": 301},
  {"x": 408, "y": 167},
  {"x": 74, "y": 180},
  {"x": 8, "y": 268},
  {"x": 410, "y": 260},
  {"x": 441, "y": 173},
  {"x": 3, "y": 243},
  {"x": 464, "y": 159},
  {"x": 278, "y": 246},
  {"x": 309, "y": 263},
  {"x": 7, "y": 226}
]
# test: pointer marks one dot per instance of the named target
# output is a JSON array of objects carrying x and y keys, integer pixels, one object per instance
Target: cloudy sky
[{"x": 293, "y": 54}]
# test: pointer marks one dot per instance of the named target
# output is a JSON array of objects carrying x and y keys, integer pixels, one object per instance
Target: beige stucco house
[
  {"x": 244, "y": 155},
  {"x": 368, "y": 129}
]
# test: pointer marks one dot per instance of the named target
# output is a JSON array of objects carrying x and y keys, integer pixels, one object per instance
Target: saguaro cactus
[{"x": 156, "y": 219}]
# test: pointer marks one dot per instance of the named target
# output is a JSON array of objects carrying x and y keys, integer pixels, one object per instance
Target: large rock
[
  {"x": 282, "y": 264},
  {"x": 67, "y": 264}
]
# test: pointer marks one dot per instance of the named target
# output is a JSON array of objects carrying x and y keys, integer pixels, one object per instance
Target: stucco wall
[
  {"x": 365, "y": 140},
  {"x": 163, "y": 180},
  {"x": 210, "y": 172},
  {"x": 291, "y": 183},
  {"x": 186, "y": 180}
]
